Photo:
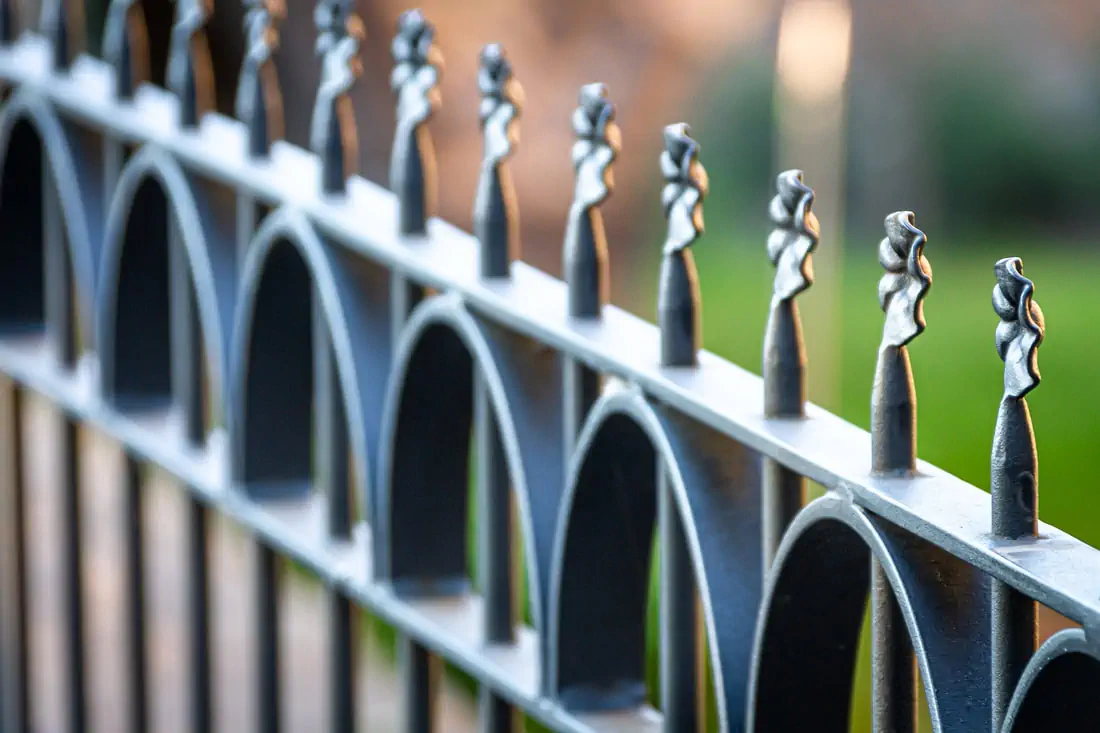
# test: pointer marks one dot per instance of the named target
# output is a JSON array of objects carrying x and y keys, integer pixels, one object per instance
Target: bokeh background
[{"x": 981, "y": 117}]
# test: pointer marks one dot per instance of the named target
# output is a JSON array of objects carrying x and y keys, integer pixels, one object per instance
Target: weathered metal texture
[{"x": 255, "y": 320}]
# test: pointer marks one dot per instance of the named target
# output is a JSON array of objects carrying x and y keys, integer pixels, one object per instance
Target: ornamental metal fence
[{"x": 311, "y": 356}]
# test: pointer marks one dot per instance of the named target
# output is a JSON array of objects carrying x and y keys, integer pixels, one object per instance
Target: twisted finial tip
[
  {"x": 908, "y": 277},
  {"x": 413, "y": 42},
  {"x": 686, "y": 185},
  {"x": 497, "y": 83},
  {"x": 1021, "y": 329},
  {"x": 795, "y": 234},
  {"x": 597, "y": 145},
  {"x": 336, "y": 20}
]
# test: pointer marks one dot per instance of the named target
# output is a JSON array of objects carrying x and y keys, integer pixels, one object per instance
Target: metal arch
[
  {"x": 1076, "y": 689},
  {"x": 521, "y": 381},
  {"x": 943, "y": 600},
  {"x": 715, "y": 482},
  {"x": 359, "y": 339},
  {"x": 211, "y": 269},
  {"x": 32, "y": 108}
]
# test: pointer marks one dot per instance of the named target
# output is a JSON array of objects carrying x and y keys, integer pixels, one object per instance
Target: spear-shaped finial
[
  {"x": 259, "y": 102},
  {"x": 126, "y": 45},
  {"x": 678, "y": 300},
  {"x": 418, "y": 65},
  {"x": 1015, "y": 463},
  {"x": 793, "y": 238},
  {"x": 901, "y": 293},
  {"x": 596, "y": 147},
  {"x": 190, "y": 72},
  {"x": 496, "y": 213},
  {"x": 340, "y": 33},
  {"x": 62, "y": 21}
]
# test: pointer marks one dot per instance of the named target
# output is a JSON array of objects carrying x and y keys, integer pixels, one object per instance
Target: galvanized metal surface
[{"x": 255, "y": 320}]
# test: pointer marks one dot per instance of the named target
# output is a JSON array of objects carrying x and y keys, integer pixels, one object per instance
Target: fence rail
[{"x": 312, "y": 355}]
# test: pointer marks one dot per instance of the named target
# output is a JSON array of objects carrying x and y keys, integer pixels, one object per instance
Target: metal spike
[
  {"x": 1015, "y": 463},
  {"x": 259, "y": 101},
  {"x": 496, "y": 213},
  {"x": 190, "y": 75},
  {"x": 126, "y": 46},
  {"x": 901, "y": 293},
  {"x": 585, "y": 252},
  {"x": 58, "y": 21},
  {"x": 793, "y": 238},
  {"x": 678, "y": 300},
  {"x": 418, "y": 65},
  {"x": 340, "y": 33}
]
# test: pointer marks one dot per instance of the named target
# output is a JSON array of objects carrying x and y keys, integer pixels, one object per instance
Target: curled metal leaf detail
[
  {"x": 261, "y": 26},
  {"x": 418, "y": 65},
  {"x": 1020, "y": 331},
  {"x": 190, "y": 19},
  {"x": 908, "y": 278},
  {"x": 501, "y": 104},
  {"x": 686, "y": 186},
  {"x": 340, "y": 32},
  {"x": 597, "y": 146},
  {"x": 795, "y": 235}
]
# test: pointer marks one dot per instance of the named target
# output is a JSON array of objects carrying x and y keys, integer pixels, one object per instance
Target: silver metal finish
[
  {"x": 496, "y": 215},
  {"x": 192, "y": 288},
  {"x": 418, "y": 64},
  {"x": 901, "y": 294},
  {"x": 790, "y": 244}
]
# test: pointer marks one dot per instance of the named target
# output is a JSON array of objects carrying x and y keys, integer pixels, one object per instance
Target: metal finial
[
  {"x": 126, "y": 45},
  {"x": 790, "y": 244},
  {"x": 1015, "y": 462},
  {"x": 259, "y": 102},
  {"x": 190, "y": 73},
  {"x": 907, "y": 280},
  {"x": 418, "y": 65},
  {"x": 332, "y": 132},
  {"x": 901, "y": 293},
  {"x": 60, "y": 22},
  {"x": 1021, "y": 328},
  {"x": 678, "y": 300},
  {"x": 496, "y": 214},
  {"x": 795, "y": 234},
  {"x": 596, "y": 147}
]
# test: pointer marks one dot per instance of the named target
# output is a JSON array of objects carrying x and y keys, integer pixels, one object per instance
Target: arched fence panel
[{"x": 163, "y": 262}]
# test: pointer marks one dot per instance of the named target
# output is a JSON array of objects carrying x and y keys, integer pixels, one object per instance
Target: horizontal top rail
[{"x": 934, "y": 505}]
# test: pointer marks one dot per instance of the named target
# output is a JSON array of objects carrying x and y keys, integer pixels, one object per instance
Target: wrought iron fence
[{"x": 311, "y": 356}]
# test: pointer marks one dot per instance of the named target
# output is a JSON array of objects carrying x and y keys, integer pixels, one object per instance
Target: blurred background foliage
[{"x": 983, "y": 118}]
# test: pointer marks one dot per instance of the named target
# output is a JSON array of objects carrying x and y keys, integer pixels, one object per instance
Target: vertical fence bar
[
  {"x": 679, "y": 308},
  {"x": 681, "y": 628},
  {"x": 268, "y": 659},
  {"x": 73, "y": 578},
  {"x": 17, "y": 659},
  {"x": 58, "y": 274},
  {"x": 421, "y": 673},
  {"x": 135, "y": 592},
  {"x": 495, "y": 550},
  {"x": 496, "y": 225},
  {"x": 585, "y": 260},
  {"x": 335, "y": 483},
  {"x": 793, "y": 238},
  {"x": 894, "y": 453},
  {"x": 188, "y": 396},
  {"x": 893, "y": 665},
  {"x": 1014, "y": 475}
]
